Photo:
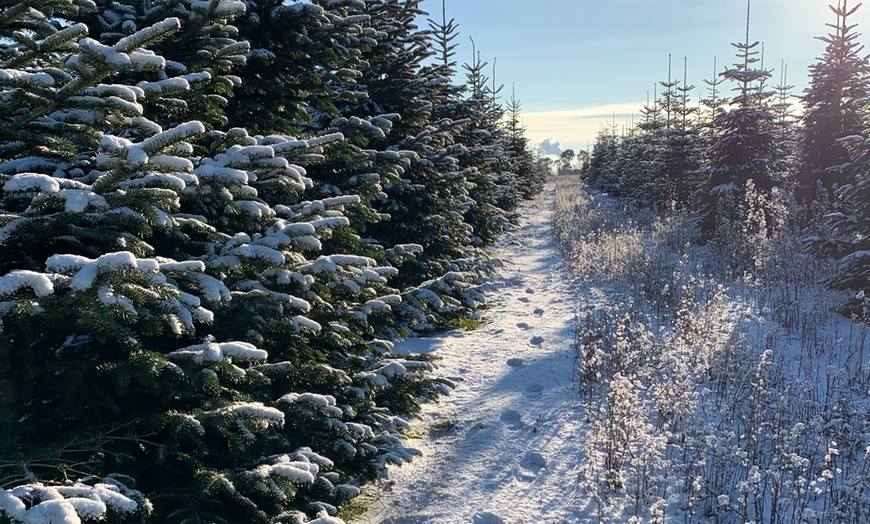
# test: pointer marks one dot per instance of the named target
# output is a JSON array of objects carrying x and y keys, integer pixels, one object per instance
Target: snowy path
[{"x": 505, "y": 446}]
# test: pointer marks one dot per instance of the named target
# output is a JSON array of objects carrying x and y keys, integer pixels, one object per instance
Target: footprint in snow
[
  {"x": 539, "y": 312},
  {"x": 487, "y": 518},
  {"x": 512, "y": 419},
  {"x": 516, "y": 362},
  {"x": 523, "y": 325},
  {"x": 533, "y": 461},
  {"x": 530, "y": 466},
  {"x": 534, "y": 389},
  {"x": 536, "y": 341}
]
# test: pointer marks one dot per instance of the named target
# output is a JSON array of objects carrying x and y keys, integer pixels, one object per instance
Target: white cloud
[
  {"x": 549, "y": 147},
  {"x": 577, "y": 128}
]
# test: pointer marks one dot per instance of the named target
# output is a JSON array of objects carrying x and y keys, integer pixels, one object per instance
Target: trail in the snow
[{"x": 505, "y": 446}]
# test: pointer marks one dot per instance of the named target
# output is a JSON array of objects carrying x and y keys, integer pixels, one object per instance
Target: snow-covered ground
[
  {"x": 705, "y": 397},
  {"x": 506, "y": 445}
]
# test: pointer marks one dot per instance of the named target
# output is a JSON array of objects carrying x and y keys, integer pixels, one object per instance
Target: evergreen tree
[
  {"x": 785, "y": 128},
  {"x": 602, "y": 162},
  {"x": 635, "y": 163},
  {"x": 713, "y": 103},
  {"x": 513, "y": 126},
  {"x": 191, "y": 320},
  {"x": 679, "y": 159},
  {"x": 305, "y": 63},
  {"x": 744, "y": 148},
  {"x": 174, "y": 343},
  {"x": 196, "y": 81},
  {"x": 443, "y": 34},
  {"x": 835, "y": 105},
  {"x": 847, "y": 240},
  {"x": 669, "y": 99},
  {"x": 309, "y": 57},
  {"x": 485, "y": 156},
  {"x": 710, "y": 108},
  {"x": 528, "y": 172},
  {"x": 653, "y": 184},
  {"x": 390, "y": 78},
  {"x": 424, "y": 206}
]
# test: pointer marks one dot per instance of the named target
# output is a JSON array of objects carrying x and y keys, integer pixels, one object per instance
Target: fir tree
[
  {"x": 424, "y": 206},
  {"x": 443, "y": 34},
  {"x": 744, "y": 149},
  {"x": 191, "y": 321},
  {"x": 713, "y": 103},
  {"x": 834, "y": 105},
  {"x": 182, "y": 349},
  {"x": 646, "y": 171},
  {"x": 305, "y": 63},
  {"x": 679, "y": 159},
  {"x": 847, "y": 241},
  {"x": 485, "y": 155},
  {"x": 197, "y": 79},
  {"x": 602, "y": 163},
  {"x": 636, "y": 161},
  {"x": 669, "y": 98},
  {"x": 710, "y": 108},
  {"x": 528, "y": 172},
  {"x": 785, "y": 128},
  {"x": 391, "y": 80}
]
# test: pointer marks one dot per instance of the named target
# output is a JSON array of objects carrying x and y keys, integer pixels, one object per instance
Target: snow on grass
[{"x": 714, "y": 394}]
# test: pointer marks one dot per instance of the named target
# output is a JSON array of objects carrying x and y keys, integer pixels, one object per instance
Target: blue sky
[{"x": 576, "y": 62}]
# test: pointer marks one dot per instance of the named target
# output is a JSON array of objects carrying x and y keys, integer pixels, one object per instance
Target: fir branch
[{"x": 147, "y": 36}]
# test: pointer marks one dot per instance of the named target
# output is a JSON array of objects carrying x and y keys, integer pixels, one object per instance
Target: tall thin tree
[{"x": 835, "y": 105}]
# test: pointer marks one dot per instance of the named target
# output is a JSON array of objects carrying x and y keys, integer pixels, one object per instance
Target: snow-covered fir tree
[
  {"x": 744, "y": 149},
  {"x": 431, "y": 180},
  {"x": 485, "y": 156},
  {"x": 679, "y": 159},
  {"x": 305, "y": 62},
  {"x": 846, "y": 239},
  {"x": 186, "y": 336},
  {"x": 636, "y": 162},
  {"x": 712, "y": 104},
  {"x": 640, "y": 149},
  {"x": 645, "y": 166},
  {"x": 833, "y": 158},
  {"x": 423, "y": 205},
  {"x": 605, "y": 153},
  {"x": 526, "y": 168},
  {"x": 197, "y": 78},
  {"x": 835, "y": 105}
]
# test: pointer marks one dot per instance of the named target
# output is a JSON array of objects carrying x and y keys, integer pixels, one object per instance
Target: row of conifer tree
[
  {"x": 214, "y": 217},
  {"x": 747, "y": 165}
]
